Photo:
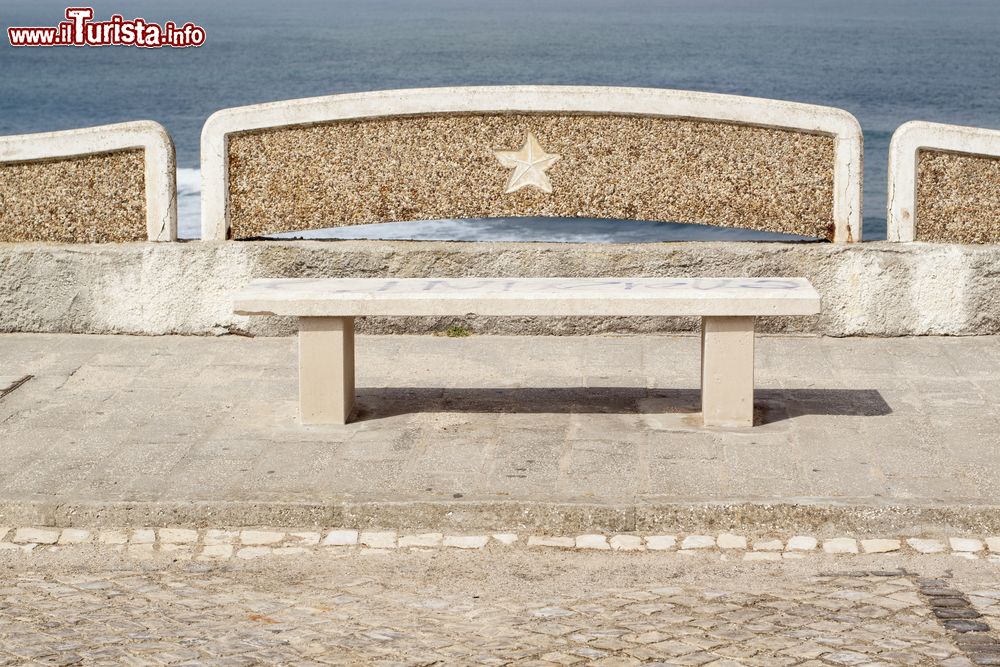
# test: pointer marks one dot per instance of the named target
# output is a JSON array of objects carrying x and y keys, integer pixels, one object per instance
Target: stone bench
[{"x": 326, "y": 309}]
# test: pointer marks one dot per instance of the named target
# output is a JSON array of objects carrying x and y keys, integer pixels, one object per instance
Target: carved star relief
[{"x": 529, "y": 165}]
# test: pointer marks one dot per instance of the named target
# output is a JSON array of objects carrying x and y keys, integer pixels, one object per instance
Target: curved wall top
[
  {"x": 97, "y": 184},
  {"x": 635, "y": 153},
  {"x": 944, "y": 184}
]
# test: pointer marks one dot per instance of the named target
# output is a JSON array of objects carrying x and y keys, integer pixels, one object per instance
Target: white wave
[
  {"x": 188, "y": 203},
  {"x": 536, "y": 229},
  {"x": 188, "y": 181}
]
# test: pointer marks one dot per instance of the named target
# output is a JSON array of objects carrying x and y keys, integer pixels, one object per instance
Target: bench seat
[{"x": 326, "y": 309}]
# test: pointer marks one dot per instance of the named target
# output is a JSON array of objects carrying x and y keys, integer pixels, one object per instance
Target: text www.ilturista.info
[{"x": 80, "y": 30}]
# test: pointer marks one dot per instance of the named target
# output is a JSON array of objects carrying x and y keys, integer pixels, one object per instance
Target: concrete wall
[
  {"x": 634, "y": 153},
  {"x": 944, "y": 184},
  {"x": 879, "y": 289},
  {"x": 111, "y": 183}
]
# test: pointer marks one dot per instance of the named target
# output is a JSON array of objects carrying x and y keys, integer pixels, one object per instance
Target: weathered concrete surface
[
  {"x": 873, "y": 289},
  {"x": 866, "y": 436}
]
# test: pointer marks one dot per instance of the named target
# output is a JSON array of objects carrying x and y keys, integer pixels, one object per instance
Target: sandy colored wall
[
  {"x": 878, "y": 289},
  {"x": 958, "y": 198},
  {"x": 89, "y": 199},
  {"x": 441, "y": 166}
]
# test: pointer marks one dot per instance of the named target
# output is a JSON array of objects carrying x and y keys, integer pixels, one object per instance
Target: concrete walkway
[{"x": 551, "y": 432}]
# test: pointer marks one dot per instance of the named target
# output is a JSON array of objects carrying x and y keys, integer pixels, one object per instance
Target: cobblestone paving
[{"x": 427, "y": 608}]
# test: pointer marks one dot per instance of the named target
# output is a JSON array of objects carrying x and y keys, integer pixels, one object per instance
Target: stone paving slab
[
  {"x": 221, "y": 543},
  {"x": 512, "y": 429},
  {"x": 495, "y": 608}
]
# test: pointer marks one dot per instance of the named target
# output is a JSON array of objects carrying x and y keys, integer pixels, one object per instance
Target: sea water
[{"x": 885, "y": 61}]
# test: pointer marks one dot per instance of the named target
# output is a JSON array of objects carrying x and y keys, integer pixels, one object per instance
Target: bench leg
[
  {"x": 727, "y": 371},
  {"x": 326, "y": 369}
]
